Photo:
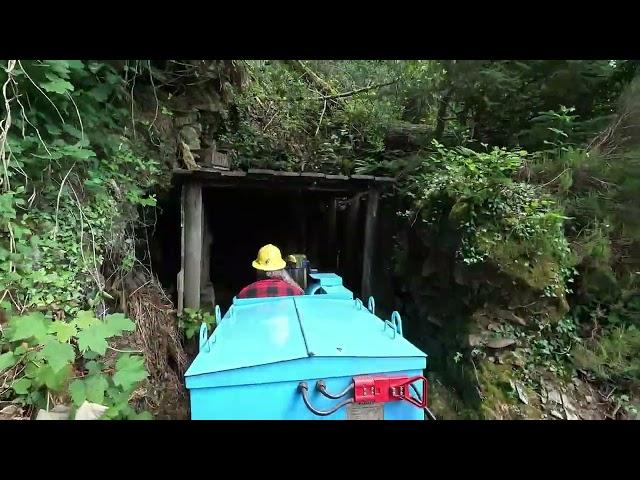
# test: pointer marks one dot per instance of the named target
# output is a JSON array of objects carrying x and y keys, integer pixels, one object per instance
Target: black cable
[
  {"x": 321, "y": 386},
  {"x": 303, "y": 388},
  {"x": 426, "y": 409}
]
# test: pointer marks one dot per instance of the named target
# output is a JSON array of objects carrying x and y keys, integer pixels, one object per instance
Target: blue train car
[{"x": 323, "y": 355}]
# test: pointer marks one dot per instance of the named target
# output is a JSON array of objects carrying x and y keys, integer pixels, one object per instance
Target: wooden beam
[
  {"x": 193, "y": 244},
  {"x": 369, "y": 242},
  {"x": 180, "y": 279},
  {"x": 272, "y": 178},
  {"x": 351, "y": 264}
]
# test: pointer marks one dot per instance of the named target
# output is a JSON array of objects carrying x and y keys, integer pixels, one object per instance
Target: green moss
[
  {"x": 495, "y": 383},
  {"x": 614, "y": 357}
]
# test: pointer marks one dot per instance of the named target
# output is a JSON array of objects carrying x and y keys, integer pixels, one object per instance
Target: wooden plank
[
  {"x": 336, "y": 177},
  {"x": 369, "y": 242},
  {"x": 180, "y": 279},
  {"x": 363, "y": 177},
  {"x": 278, "y": 185},
  {"x": 193, "y": 244},
  {"x": 351, "y": 264},
  {"x": 214, "y": 159},
  {"x": 207, "y": 172},
  {"x": 312, "y": 175},
  {"x": 200, "y": 172}
]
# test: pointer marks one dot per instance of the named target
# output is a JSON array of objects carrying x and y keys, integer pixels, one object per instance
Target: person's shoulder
[{"x": 249, "y": 290}]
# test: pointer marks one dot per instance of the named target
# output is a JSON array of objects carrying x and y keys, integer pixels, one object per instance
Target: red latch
[{"x": 381, "y": 389}]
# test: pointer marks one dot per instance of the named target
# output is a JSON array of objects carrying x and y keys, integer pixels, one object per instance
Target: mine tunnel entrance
[{"x": 212, "y": 224}]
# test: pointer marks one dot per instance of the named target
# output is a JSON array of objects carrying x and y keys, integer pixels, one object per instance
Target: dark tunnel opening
[{"x": 243, "y": 219}]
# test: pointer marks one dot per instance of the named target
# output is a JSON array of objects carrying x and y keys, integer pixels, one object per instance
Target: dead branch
[{"x": 325, "y": 87}]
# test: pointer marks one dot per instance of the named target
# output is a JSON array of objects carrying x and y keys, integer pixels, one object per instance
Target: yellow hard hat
[{"x": 269, "y": 259}]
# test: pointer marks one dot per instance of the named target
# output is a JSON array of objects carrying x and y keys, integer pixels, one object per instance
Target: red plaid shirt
[{"x": 271, "y": 287}]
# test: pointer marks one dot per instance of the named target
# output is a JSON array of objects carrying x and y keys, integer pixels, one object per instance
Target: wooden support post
[
  {"x": 193, "y": 244},
  {"x": 351, "y": 265},
  {"x": 180, "y": 279},
  {"x": 332, "y": 234},
  {"x": 369, "y": 242}
]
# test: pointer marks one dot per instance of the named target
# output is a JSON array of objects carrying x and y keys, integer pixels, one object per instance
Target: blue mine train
[{"x": 323, "y": 355}]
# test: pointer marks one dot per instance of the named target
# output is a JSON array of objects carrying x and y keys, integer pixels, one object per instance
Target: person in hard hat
[{"x": 273, "y": 280}]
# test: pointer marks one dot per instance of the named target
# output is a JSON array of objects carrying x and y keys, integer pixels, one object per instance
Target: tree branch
[{"x": 322, "y": 85}]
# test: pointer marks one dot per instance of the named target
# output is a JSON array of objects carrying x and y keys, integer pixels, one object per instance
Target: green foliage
[
  {"x": 37, "y": 369},
  {"x": 285, "y": 122},
  {"x": 471, "y": 197},
  {"x": 191, "y": 320},
  {"x": 499, "y": 100},
  {"x": 58, "y": 355},
  {"x": 615, "y": 357},
  {"x": 129, "y": 371},
  {"x": 73, "y": 184},
  {"x": 32, "y": 326},
  {"x": 58, "y": 238}
]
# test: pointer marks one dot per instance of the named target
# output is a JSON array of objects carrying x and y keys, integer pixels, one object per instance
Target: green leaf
[
  {"x": 58, "y": 355},
  {"x": 7, "y": 360},
  {"x": 57, "y": 85},
  {"x": 71, "y": 130},
  {"x": 77, "y": 391},
  {"x": 93, "y": 338},
  {"x": 53, "y": 380},
  {"x": 95, "y": 388},
  {"x": 60, "y": 67},
  {"x": 34, "y": 325},
  {"x": 90, "y": 355},
  {"x": 129, "y": 371},
  {"x": 559, "y": 132},
  {"x": 21, "y": 387},
  {"x": 63, "y": 331},
  {"x": 85, "y": 319},
  {"x": 76, "y": 64},
  {"x": 77, "y": 151},
  {"x": 93, "y": 367},
  {"x": 116, "y": 323}
]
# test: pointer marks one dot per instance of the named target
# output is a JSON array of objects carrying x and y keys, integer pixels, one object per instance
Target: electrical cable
[
  {"x": 303, "y": 388},
  {"x": 321, "y": 386}
]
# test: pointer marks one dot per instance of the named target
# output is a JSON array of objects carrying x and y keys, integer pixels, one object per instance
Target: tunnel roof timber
[{"x": 272, "y": 179}]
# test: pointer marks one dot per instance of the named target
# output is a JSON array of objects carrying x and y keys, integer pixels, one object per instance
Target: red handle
[{"x": 400, "y": 390}]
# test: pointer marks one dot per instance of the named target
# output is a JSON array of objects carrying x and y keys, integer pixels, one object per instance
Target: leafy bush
[
  {"x": 493, "y": 218},
  {"x": 191, "y": 321},
  {"x": 67, "y": 358},
  {"x": 73, "y": 184}
]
